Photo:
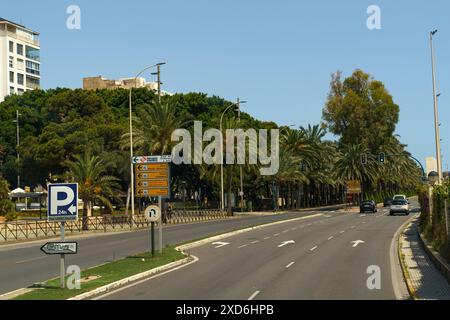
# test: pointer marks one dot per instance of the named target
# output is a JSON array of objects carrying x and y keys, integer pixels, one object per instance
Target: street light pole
[
  {"x": 222, "y": 205},
  {"x": 17, "y": 146},
  {"x": 241, "y": 192},
  {"x": 131, "y": 134},
  {"x": 436, "y": 114}
]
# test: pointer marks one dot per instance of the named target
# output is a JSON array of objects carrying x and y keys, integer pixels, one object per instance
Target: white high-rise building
[
  {"x": 431, "y": 165},
  {"x": 19, "y": 59}
]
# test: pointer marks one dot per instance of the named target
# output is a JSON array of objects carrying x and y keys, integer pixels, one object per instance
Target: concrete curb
[
  {"x": 123, "y": 282},
  {"x": 399, "y": 284},
  {"x": 437, "y": 259},
  {"x": 199, "y": 243},
  {"x": 409, "y": 286},
  {"x": 13, "y": 294}
]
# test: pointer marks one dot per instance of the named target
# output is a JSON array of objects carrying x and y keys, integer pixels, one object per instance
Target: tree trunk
[
  {"x": 86, "y": 205},
  {"x": 128, "y": 200},
  {"x": 229, "y": 189}
]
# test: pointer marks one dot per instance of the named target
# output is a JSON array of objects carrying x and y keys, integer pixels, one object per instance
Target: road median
[{"x": 100, "y": 279}]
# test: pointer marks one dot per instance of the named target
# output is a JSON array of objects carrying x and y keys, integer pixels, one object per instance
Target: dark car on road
[{"x": 368, "y": 206}]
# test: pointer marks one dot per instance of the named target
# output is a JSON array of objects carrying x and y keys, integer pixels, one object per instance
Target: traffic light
[
  {"x": 382, "y": 157},
  {"x": 364, "y": 159}
]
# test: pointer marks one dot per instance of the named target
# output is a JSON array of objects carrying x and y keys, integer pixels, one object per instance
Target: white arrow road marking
[
  {"x": 285, "y": 243},
  {"x": 253, "y": 296},
  {"x": 220, "y": 244},
  {"x": 357, "y": 242}
]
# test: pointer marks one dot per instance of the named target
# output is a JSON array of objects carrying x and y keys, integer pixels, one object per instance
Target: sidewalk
[{"x": 424, "y": 280}]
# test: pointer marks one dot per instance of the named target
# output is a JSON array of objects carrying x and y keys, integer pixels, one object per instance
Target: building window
[
  {"x": 33, "y": 68},
  {"x": 32, "y": 53},
  {"x": 33, "y": 83},
  {"x": 11, "y": 90},
  {"x": 20, "y": 64},
  {"x": 11, "y": 47},
  {"x": 20, "y": 49},
  {"x": 11, "y": 62},
  {"x": 20, "y": 91},
  {"x": 11, "y": 77},
  {"x": 20, "y": 79}
]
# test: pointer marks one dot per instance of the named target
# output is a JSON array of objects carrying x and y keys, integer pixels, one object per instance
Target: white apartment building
[
  {"x": 19, "y": 59},
  {"x": 431, "y": 165}
]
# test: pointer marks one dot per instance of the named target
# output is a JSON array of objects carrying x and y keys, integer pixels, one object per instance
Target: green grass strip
[{"x": 107, "y": 273}]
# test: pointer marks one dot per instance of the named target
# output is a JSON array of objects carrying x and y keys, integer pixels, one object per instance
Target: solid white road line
[
  {"x": 290, "y": 265},
  {"x": 253, "y": 296},
  {"x": 29, "y": 260}
]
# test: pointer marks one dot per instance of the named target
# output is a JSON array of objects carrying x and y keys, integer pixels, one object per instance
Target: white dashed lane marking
[{"x": 290, "y": 265}]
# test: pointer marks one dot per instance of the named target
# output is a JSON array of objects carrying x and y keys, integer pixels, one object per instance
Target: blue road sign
[{"x": 62, "y": 201}]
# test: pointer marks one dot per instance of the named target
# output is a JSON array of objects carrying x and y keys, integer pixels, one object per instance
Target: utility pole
[
  {"x": 160, "y": 202},
  {"x": 436, "y": 114},
  {"x": 158, "y": 75},
  {"x": 131, "y": 132}
]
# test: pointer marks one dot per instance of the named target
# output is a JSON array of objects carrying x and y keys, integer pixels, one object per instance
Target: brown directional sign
[
  {"x": 152, "y": 167},
  {"x": 153, "y": 192},
  {"x": 150, "y": 175},
  {"x": 152, "y": 184},
  {"x": 152, "y": 179}
]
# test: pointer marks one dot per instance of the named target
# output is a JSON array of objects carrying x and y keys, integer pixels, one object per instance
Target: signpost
[
  {"x": 353, "y": 187},
  {"x": 62, "y": 204},
  {"x": 153, "y": 214},
  {"x": 52, "y": 248},
  {"x": 153, "y": 180}
]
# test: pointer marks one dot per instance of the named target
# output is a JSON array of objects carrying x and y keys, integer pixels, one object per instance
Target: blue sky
[{"x": 278, "y": 55}]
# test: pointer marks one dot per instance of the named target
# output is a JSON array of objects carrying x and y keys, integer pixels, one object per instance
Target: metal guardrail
[{"x": 21, "y": 230}]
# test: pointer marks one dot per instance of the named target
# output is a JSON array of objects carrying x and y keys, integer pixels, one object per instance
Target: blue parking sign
[{"x": 62, "y": 202}]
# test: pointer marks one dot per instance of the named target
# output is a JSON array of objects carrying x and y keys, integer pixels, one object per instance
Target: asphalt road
[
  {"x": 23, "y": 264},
  {"x": 315, "y": 258}
]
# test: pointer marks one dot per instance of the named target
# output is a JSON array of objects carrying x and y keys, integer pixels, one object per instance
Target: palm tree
[
  {"x": 350, "y": 167},
  {"x": 90, "y": 172},
  {"x": 154, "y": 125}
]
